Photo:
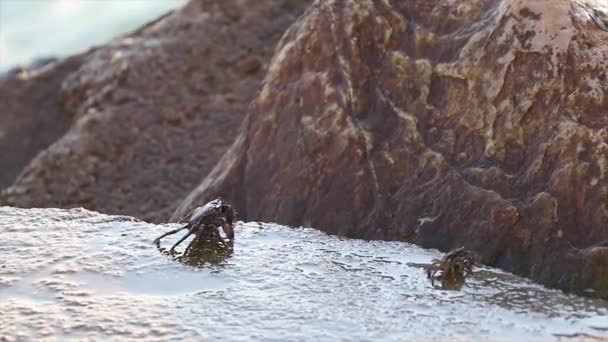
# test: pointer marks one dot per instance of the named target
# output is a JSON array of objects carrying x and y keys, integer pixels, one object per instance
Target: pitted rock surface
[
  {"x": 153, "y": 111},
  {"x": 446, "y": 123},
  {"x": 74, "y": 274}
]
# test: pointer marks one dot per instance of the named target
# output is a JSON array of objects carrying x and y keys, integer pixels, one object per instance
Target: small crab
[
  {"x": 204, "y": 222},
  {"x": 454, "y": 268}
]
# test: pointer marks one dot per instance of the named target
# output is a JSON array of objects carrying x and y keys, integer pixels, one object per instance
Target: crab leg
[
  {"x": 213, "y": 229},
  {"x": 228, "y": 230},
  {"x": 218, "y": 237},
  {"x": 433, "y": 277},
  {"x": 183, "y": 219},
  {"x": 181, "y": 240},
  {"x": 196, "y": 237},
  {"x": 169, "y": 233}
]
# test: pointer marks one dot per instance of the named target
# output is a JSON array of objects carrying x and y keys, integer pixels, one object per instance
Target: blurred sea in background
[{"x": 31, "y": 29}]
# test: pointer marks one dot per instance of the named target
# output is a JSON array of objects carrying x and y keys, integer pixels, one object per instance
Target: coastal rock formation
[
  {"x": 150, "y": 112},
  {"x": 447, "y": 123},
  {"x": 31, "y": 115}
]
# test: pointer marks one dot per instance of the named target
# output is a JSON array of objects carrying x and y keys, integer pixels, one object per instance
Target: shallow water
[{"x": 71, "y": 274}]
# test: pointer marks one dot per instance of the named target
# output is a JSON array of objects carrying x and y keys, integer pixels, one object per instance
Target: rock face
[
  {"x": 477, "y": 123},
  {"x": 152, "y": 111},
  {"x": 31, "y": 114}
]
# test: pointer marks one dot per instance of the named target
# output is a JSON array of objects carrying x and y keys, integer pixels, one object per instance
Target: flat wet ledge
[{"x": 76, "y": 273}]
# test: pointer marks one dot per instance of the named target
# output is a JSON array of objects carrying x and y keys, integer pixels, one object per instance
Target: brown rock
[
  {"x": 31, "y": 116},
  {"x": 154, "y": 110},
  {"x": 481, "y": 124}
]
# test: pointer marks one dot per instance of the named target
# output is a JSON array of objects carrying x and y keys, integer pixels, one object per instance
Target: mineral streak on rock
[
  {"x": 146, "y": 115},
  {"x": 477, "y": 123}
]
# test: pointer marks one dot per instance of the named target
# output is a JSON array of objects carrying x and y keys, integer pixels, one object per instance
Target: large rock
[
  {"x": 154, "y": 110},
  {"x": 31, "y": 115},
  {"x": 478, "y": 123}
]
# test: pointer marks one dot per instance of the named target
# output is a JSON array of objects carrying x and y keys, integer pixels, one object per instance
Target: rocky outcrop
[
  {"x": 31, "y": 114},
  {"x": 150, "y": 112},
  {"x": 477, "y": 123}
]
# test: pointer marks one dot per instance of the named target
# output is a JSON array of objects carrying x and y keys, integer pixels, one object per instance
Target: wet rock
[
  {"x": 481, "y": 124},
  {"x": 101, "y": 276},
  {"x": 149, "y": 113}
]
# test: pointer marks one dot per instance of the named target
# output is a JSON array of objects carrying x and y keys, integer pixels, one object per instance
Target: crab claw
[{"x": 228, "y": 229}]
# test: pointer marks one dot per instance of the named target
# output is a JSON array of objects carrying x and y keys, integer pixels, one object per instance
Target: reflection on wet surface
[
  {"x": 203, "y": 253},
  {"x": 76, "y": 274}
]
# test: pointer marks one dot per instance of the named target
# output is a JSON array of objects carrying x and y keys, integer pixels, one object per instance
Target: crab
[
  {"x": 453, "y": 268},
  {"x": 204, "y": 222}
]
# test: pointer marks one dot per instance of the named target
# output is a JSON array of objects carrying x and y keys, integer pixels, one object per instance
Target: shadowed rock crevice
[{"x": 479, "y": 124}]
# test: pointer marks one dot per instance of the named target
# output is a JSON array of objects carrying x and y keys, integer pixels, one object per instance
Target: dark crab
[
  {"x": 204, "y": 222},
  {"x": 453, "y": 268}
]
